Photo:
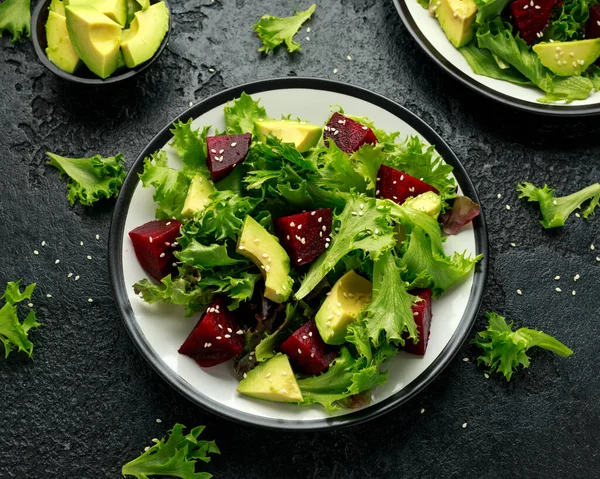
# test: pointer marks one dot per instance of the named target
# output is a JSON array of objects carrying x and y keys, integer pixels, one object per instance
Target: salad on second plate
[
  {"x": 311, "y": 253},
  {"x": 553, "y": 45}
]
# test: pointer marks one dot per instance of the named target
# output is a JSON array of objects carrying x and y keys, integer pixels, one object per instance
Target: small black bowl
[{"x": 83, "y": 76}]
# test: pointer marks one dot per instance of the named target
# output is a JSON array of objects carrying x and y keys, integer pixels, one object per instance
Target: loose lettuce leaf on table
[
  {"x": 241, "y": 114},
  {"x": 174, "y": 456},
  {"x": 90, "y": 179},
  {"x": 504, "y": 350},
  {"x": 556, "y": 210},
  {"x": 15, "y": 18},
  {"x": 273, "y": 31},
  {"x": 14, "y": 333}
]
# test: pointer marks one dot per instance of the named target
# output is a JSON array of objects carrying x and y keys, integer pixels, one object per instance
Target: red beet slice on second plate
[
  {"x": 216, "y": 338},
  {"x": 422, "y": 314},
  {"x": 397, "y": 186},
  {"x": 225, "y": 153},
  {"x": 307, "y": 351},
  {"x": 154, "y": 244},
  {"x": 347, "y": 134},
  {"x": 305, "y": 235}
]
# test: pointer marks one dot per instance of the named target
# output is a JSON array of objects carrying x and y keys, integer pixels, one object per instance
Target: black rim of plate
[
  {"x": 38, "y": 38},
  {"x": 120, "y": 288},
  {"x": 456, "y": 73}
]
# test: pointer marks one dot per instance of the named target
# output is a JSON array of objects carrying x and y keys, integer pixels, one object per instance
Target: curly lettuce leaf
[
  {"x": 489, "y": 9},
  {"x": 433, "y": 269},
  {"x": 205, "y": 257},
  {"x": 421, "y": 161},
  {"x": 170, "y": 185},
  {"x": 345, "y": 377},
  {"x": 14, "y": 333},
  {"x": 497, "y": 37},
  {"x": 90, "y": 179},
  {"x": 569, "y": 24},
  {"x": 482, "y": 62},
  {"x": 241, "y": 114},
  {"x": 175, "y": 456},
  {"x": 338, "y": 171},
  {"x": 556, "y": 210},
  {"x": 361, "y": 225},
  {"x": 265, "y": 349},
  {"x": 273, "y": 31},
  {"x": 504, "y": 349},
  {"x": 191, "y": 146},
  {"x": 15, "y": 18},
  {"x": 389, "y": 317}
]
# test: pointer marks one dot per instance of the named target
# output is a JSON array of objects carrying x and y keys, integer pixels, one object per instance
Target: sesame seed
[
  {"x": 43, "y": 243},
  {"x": 299, "y": 351},
  {"x": 556, "y": 278},
  {"x": 158, "y": 421},
  {"x": 299, "y": 260},
  {"x": 466, "y": 360},
  {"x": 30, "y": 305},
  {"x": 513, "y": 244},
  {"x": 422, "y": 410},
  {"x": 310, "y": 334},
  {"x": 98, "y": 236},
  {"x": 162, "y": 255},
  {"x": 324, "y": 228},
  {"x": 571, "y": 54},
  {"x": 577, "y": 215},
  {"x": 319, "y": 219},
  {"x": 35, "y": 251},
  {"x": 308, "y": 30},
  {"x": 81, "y": 243},
  {"x": 284, "y": 373},
  {"x": 508, "y": 207},
  {"x": 299, "y": 227},
  {"x": 499, "y": 195},
  {"x": 576, "y": 277},
  {"x": 221, "y": 152},
  {"x": 292, "y": 224},
  {"x": 77, "y": 278},
  {"x": 348, "y": 58},
  {"x": 227, "y": 336},
  {"x": 233, "y": 145},
  {"x": 354, "y": 213},
  {"x": 167, "y": 243},
  {"x": 335, "y": 70},
  {"x": 464, "y": 426},
  {"x": 598, "y": 258},
  {"x": 218, "y": 338},
  {"x": 89, "y": 257},
  {"x": 486, "y": 375},
  {"x": 308, "y": 39},
  {"x": 573, "y": 292},
  {"x": 312, "y": 355},
  {"x": 69, "y": 275},
  {"x": 150, "y": 239},
  {"x": 208, "y": 345},
  {"x": 592, "y": 247},
  {"x": 519, "y": 292},
  {"x": 245, "y": 375},
  {"x": 211, "y": 70},
  {"x": 48, "y": 296},
  {"x": 268, "y": 375},
  {"x": 558, "y": 290},
  {"x": 90, "y": 300}
]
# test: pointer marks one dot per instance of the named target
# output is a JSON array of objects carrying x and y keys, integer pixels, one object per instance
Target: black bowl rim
[
  {"x": 37, "y": 16},
  {"x": 360, "y": 416},
  {"x": 457, "y": 74}
]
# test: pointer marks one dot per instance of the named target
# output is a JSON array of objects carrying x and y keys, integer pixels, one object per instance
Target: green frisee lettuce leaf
[
  {"x": 556, "y": 210},
  {"x": 482, "y": 62},
  {"x": 205, "y": 257},
  {"x": 191, "y": 146},
  {"x": 175, "y": 456},
  {"x": 15, "y": 18},
  {"x": 273, "y": 31},
  {"x": 265, "y": 349},
  {"x": 241, "y": 114},
  {"x": 504, "y": 349},
  {"x": 90, "y": 179},
  {"x": 362, "y": 225},
  {"x": 14, "y": 333}
]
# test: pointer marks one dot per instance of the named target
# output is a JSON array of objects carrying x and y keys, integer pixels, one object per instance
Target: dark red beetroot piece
[
  {"x": 154, "y": 244},
  {"x": 225, "y": 153},
  {"x": 307, "y": 351},
  {"x": 216, "y": 338},
  {"x": 422, "y": 314},
  {"x": 304, "y": 236},
  {"x": 532, "y": 17},
  {"x": 592, "y": 26},
  {"x": 396, "y": 185},
  {"x": 348, "y": 135},
  {"x": 462, "y": 213}
]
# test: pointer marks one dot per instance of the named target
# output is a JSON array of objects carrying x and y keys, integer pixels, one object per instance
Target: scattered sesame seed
[
  {"x": 576, "y": 277},
  {"x": 245, "y": 375},
  {"x": 308, "y": 30},
  {"x": 211, "y": 70},
  {"x": 57, "y": 261},
  {"x": 598, "y": 258},
  {"x": 577, "y": 215},
  {"x": 573, "y": 292},
  {"x": 98, "y": 236},
  {"x": 519, "y": 292},
  {"x": 48, "y": 296},
  {"x": 150, "y": 239},
  {"x": 218, "y": 338},
  {"x": 335, "y": 70},
  {"x": 558, "y": 290},
  {"x": 158, "y": 421},
  {"x": 299, "y": 351},
  {"x": 227, "y": 336},
  {"x": 422, "y": 410},
  {"x": 513, "y": 244},
  {"x": 348, "y": 58},
  {"x": 464, "y": 426},
  {"x": 592, "y": 247},
  {"x": 89, "y": 257},
  {"x": 556, "y": 278},
  {"x": 43, "y": 243},
  {"x": 90, "y": 300},
  {"x": 69, "y": 275},
  {"x": 486, "y": 375},
  {"x": 508, "y": 207},
  {"x": 81, "y": 243},
  {"x": 310, "y": 334},
  {"x": 299, "y": 260},
  {"x": 466, "y": 360},
  {"x": 35, "y": 251},
  {"x": 308, "y": 39},
  {"x": 30, "y": 305},
  {"x": 76, "y": 278},
  {"x": 499, "y": 195}
]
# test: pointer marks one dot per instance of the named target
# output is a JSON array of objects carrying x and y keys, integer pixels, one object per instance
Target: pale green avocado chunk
[
  {"x": 132, "y": 7},
  {"x": 57, "y": 6},
  {"x": 568, "y": 58},
  {"x": 272, "y": 380},
  {"x": 96, "y": 38},
  {"x": 347, "y": 299},
  {"x": 456, "y": 19},
  {"x": 114, "y": 9},
  {"x": 60, "y": 49},
  {"x": 264, "y": 250},
  {"x": 146, "y": 33},
  {"x": 428, "y": 202},
  {"x": 303, "y": 135},
  {"x": 197, "y": 197}
]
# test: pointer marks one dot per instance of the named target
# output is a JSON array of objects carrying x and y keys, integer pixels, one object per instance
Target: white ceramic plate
[
  {"x": 159, "y": 330},
  {"x": 429, "y": 35}
]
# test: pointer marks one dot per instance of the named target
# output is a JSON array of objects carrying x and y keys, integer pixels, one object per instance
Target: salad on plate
[
  {"x": 551, "y": 45},
  {"x": 311, "y": 253}
]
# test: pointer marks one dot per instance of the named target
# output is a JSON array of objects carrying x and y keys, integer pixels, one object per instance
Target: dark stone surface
[{"x": 89, "y": 401}]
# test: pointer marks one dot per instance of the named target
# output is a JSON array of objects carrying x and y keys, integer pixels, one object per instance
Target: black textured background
[{"x": 88, "y": 403}]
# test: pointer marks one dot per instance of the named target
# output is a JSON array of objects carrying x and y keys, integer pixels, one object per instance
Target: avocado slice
[
  {"x": 57, "y": 6},
  {"x": 303, "y": 135},
  {"x": 264, "y": 250},
  {"x": 146, "y": 33},
  {"x": 132, "y": 7},
  {"x": 96, "y": 38},
  {"x": 114, "y": 9},
  {"x": 456, "y": 19},
  {"x": 197, "y": 198},
  {"x": 428, "y": 202},
  {"x": 60, "y": 49},
  {"x": 272, "y": 380},
  {"x": 347, "y": 299},
  {"x": 568, "y": 58}
]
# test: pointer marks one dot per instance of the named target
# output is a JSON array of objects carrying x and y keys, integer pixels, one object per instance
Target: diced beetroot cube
[
  {"x": 225, "y": 153},
  {"x": 348, "y": 135},
  {"x": 592, "y": 26},
  {"x": 216, "y": 338},
  {"x": 532, "y": 17},
  {"x": 396, "y": 185},
  {"x": 304, "y": 236},
  {"x": 154, "y": 244},
  {"x": 307, "y": 351},
  {"x": 422, "y": 314}
]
